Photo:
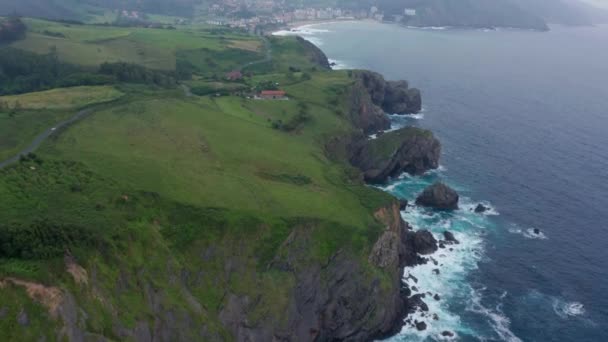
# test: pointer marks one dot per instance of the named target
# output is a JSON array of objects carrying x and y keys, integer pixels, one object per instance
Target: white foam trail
[
  {"x": 528, "y": 233},
  {"x": 338, "y": 65},
  {"x": 436, "y": 28},
  {"x": 497, "y": 319},
  {"x": 306, "y": 31},
  {"x": 453, "y": 263},
  {"x": 470, "y": 206},
  {"x": 567, "y": 309}
]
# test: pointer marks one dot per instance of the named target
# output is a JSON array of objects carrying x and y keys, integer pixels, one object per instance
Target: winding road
[{"x": 43, "y": 136}]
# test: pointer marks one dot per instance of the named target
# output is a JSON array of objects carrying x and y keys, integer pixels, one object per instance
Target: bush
[{"x": 42, "y": 240}]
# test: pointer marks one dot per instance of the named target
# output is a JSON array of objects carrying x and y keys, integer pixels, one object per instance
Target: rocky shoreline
[{"x": 407, "y": 150}]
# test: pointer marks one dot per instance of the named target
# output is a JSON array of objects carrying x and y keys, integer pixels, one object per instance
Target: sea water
[{"x": 523, "y": 120}]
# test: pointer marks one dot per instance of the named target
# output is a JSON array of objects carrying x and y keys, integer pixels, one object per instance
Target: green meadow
[
  {"x": 91, "y": 45},
  {"x": 156, "y": 183}
]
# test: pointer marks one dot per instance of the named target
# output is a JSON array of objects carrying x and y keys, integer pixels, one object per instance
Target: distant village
[{"x": 252, "y": 14}]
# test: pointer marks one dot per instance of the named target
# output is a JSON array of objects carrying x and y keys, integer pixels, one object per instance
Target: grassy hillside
[
  {"x": 91, "y": 45},
  {"x": 160, "y": 208},
  {"x": 63, "y": 98}
]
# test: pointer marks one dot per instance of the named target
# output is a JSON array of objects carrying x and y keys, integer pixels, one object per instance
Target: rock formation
[
  {"x": 393, "y": 97},
  {"x": 409, "y": 149},
  {"x": 438, "y": 196}
]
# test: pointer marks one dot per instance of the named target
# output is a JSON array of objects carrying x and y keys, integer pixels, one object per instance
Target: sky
[{"x": 598, "y": 3}]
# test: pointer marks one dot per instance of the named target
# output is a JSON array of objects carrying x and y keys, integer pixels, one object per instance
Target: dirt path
[{"x": 267, "y": 57}]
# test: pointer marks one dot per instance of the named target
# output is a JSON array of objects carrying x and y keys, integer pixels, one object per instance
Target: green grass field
[
  {"x": 42, "y": 110},
  {"x": 212, "y": 152},
  {"x": 157, "y": 188},
  {"x": 63, "y": 98},
  {"x": 91, "y": 45}
]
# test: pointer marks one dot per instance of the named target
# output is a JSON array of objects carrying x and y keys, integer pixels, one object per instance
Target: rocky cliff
[
  {"x": 315, "y": 55},
  {"x": 393, "y": 97},
  {"x": 409, "y": 149}
]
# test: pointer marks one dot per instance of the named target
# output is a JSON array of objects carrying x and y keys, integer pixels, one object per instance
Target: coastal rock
[
  {"x": 420, "y": 326},
  {"x": 449, "y": 237},
  {"x": 364, "y": 114},
  {"x": 412, "y": 150},
  {"x": 536, "y": 231},
  {"x": 424, "y": 242},
  {"x": 480, "y": 208},
  {"x": 415, "y": 302},
  {"x": 400, "y": 99},
  {"x": 394, "y": 97},
  {"x": 438, "y": 196},
  {"x": 447, "y": 333},
  {"x": 402, "y": 204}
]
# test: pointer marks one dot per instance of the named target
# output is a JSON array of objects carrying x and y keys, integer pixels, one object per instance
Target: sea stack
[{"x": 438, "y": 196}]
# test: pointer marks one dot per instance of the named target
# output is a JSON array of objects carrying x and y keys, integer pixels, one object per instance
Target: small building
[
  {"x": 273, "y": 95},
  {"x": 234, "y": 75}
]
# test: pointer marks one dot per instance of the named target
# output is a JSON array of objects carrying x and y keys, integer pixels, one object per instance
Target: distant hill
[
  {"x": 463, "y": 13},
  {"x": 79, "y": 9},
  {"x": 564, "y": 12},
  {"x": 52, "y": 9}
]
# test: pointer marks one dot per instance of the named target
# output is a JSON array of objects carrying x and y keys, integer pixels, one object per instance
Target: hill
[
  {"x": 464, "y": 13},
  {"x": 148, "y": 212}
]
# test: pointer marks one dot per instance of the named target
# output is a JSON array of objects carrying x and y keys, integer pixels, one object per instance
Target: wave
[
  {"x": 470, "y": 206},
  {"x": 499, "y": 322},
  {"x": 401, "y": 117},
  {"x": 528, "y": 233},
  {"x": 567, "y": 309},
  {"x": 305, "y": 32},
  {"x": 338, "y": 65},
  {"x": 434, "y": 28},
  {"x": 446, "y": 273}
]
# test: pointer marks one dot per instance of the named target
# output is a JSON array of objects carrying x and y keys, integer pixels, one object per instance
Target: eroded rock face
[
  {"x": 438, "y": 196},
  {"x": 409, "y": 149},
  {"x": 364, "y": 113},
  {"x": 424, "y": 242},
  {"x": 394, "y": 97},
  {"x": 400, "y": 99}
]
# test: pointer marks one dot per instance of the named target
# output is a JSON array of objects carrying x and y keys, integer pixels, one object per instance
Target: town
[{"x": 252, "y": 15}]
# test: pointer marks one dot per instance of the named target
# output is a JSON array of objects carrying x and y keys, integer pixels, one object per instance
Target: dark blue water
[{"x": 523, "y": 119}]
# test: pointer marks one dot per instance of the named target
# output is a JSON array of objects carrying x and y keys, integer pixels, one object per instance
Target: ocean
[{"x": 523, "y": 120}]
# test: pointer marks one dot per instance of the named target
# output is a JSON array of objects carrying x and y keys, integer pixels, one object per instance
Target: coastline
[{"x": 428, "y": 279}]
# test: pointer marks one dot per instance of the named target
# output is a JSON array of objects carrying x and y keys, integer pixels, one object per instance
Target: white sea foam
[
  {"x": 497, "y": 319},
  {"x": 338, "y": 65},
  {"x": 435, "y": 28},
  {"x": 470, "y": 206},
  {"x": 528, "y": 233},
  {"x": 307, "y": 32},
  {"x": 567, "y": 309},
  {"x": 454, "y": 262}
]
